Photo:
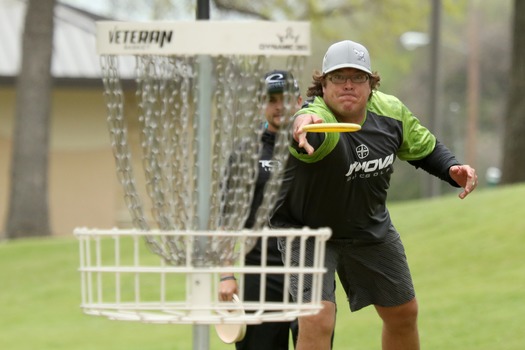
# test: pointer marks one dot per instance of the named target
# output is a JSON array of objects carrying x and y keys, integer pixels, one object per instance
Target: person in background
[
  {"x": 341, "y": 180},
  {"x": 267, "y": 335}
]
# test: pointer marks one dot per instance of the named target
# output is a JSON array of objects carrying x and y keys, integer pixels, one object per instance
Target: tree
[
  {"x": 28, "y": 200},
  {"x": 514, "y": 143}
]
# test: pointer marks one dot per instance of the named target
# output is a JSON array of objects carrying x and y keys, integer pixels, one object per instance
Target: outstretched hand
[
  {"x": 465, "y": 176},
  {"x": 299, "y": 135}
]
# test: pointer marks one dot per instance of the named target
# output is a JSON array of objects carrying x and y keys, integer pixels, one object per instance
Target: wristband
[{"x": 227, "y": 278}]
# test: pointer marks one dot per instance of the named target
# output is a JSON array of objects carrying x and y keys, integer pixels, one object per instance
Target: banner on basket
[{"x": 204, "y": 38}]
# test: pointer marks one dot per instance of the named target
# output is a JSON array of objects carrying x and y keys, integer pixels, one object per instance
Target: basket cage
[{"x": 122, "y": 280}]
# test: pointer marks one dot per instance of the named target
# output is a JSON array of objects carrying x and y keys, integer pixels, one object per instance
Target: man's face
[
  {"x": 346, "y": 92},
  {"x": 275, "y": 110}
]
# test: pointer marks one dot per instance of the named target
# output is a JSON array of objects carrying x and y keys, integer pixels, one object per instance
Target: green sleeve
[
  {"x": 418, "y": 141},
  {"x": 319, "y": 108}
]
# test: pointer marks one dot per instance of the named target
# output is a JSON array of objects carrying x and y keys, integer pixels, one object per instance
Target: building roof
[{"x": 74, "y": 44}]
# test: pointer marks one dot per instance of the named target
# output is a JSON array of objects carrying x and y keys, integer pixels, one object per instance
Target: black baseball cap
[{"x": 277, "y": 80}]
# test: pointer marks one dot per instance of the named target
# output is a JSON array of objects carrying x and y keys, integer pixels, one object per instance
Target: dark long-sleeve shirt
[{"x": 343, "y": 185}]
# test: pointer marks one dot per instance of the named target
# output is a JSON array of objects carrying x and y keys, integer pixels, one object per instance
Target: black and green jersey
[{"x": 343, "y": 184}]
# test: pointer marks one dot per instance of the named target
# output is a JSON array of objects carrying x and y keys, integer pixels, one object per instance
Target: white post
[
  {"x": 201, "y": 283},
  {"x": 201, "y": 333}
]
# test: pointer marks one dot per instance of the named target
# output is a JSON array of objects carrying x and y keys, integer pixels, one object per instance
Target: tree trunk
[
  {"x": 514, "y": 140},
  {"x": 28, "y": 201}
]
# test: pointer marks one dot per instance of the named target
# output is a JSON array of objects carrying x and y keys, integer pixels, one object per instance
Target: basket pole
[{"x": 201, "y": 333}]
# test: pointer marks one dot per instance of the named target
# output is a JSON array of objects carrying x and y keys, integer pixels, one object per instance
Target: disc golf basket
[{"x": 199, "y": 99}]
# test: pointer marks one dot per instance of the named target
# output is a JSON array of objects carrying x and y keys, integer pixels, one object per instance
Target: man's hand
[
  {"x": 299, "y": 135},
  {"x": 465, "y": 176},
  {"x": 227, "y": 288}
]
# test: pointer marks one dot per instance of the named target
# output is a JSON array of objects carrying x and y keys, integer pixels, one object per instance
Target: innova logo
[
  {"x": 362, "y": 151},
  {"x": 372, "y": 167}
]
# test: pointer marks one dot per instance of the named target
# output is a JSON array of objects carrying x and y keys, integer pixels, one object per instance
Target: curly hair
[{"x": 319, "y": 80}]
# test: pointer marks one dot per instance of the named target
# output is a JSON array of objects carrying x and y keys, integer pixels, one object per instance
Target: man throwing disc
[{"x": 340, "y": 180}]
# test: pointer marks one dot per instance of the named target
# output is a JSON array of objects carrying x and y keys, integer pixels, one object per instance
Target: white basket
[{"x": 123, "y": 280}]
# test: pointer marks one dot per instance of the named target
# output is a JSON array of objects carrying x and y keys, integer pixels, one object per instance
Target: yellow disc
[{"x": 332, "y": 127}]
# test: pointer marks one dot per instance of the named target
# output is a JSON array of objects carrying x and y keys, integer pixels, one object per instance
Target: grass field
[{"x": 466, "y": 258}]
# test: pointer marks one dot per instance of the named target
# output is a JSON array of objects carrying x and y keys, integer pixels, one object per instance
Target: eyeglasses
[{"x": 339, "y": 79}]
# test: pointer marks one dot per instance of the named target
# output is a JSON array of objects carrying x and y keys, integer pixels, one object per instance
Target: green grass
[{"x": 466, "y": 258}]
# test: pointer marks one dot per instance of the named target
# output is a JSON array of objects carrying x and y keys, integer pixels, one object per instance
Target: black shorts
[{"x": 372, "y": 273}]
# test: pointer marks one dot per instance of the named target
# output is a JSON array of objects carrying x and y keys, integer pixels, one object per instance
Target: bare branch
[{"x": 229, "y": 6}]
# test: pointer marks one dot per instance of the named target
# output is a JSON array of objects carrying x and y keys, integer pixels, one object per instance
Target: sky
[{"x": 140, "y": 12}]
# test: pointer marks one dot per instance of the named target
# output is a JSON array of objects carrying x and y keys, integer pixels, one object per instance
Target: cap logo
[
  {"x": 276, "y": 82},
  {"x": 360, "y": 55},
  {"x": 275, "y": 78}
]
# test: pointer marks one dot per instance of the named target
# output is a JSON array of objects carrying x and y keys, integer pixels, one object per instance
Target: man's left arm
[{"x": 444, "y": 165}]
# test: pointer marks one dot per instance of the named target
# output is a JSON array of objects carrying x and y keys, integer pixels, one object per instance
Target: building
[{"x": 83, "y": 186}]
